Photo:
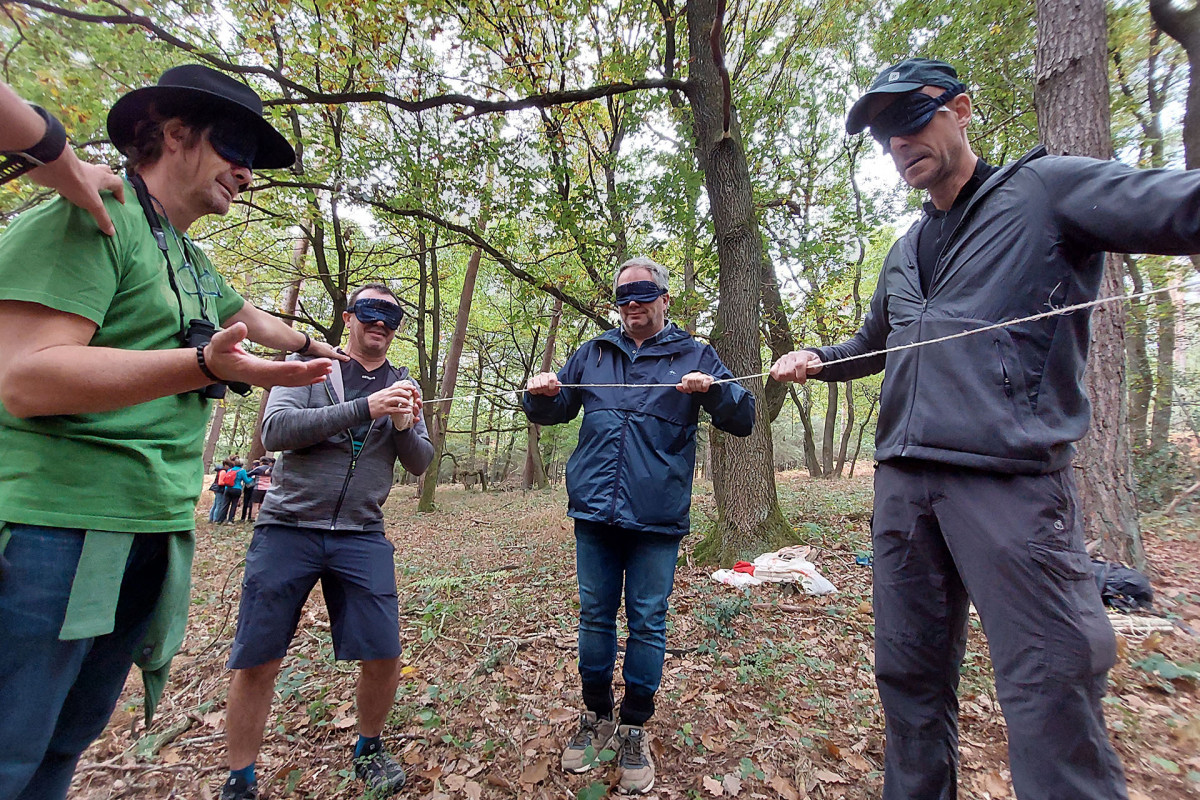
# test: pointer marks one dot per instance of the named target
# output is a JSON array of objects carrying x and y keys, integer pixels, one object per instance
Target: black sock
[{"x": 368, "y": 745}]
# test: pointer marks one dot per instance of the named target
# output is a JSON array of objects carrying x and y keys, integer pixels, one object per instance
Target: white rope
[{"x": 1193, "y": 283}]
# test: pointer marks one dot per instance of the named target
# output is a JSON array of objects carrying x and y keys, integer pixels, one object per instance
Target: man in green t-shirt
[{"x": 110, "y": 349}]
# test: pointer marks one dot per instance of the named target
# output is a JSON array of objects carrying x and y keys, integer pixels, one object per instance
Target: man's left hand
[
  {"x": 695, "y": 382},
  {"x": 320, "y": 349}
]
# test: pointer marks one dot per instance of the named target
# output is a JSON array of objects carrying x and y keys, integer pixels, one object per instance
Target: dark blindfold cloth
[
  {"x": 373, "y": 309},
  {"x": 639, "y": 292},
  {"x": 908, "y": 114}
]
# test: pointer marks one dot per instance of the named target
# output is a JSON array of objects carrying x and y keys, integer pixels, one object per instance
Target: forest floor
[{"x": 766, "y": 695}]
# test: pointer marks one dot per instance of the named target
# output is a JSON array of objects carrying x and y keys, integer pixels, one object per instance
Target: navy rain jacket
[{"x": 637, "y": 447}]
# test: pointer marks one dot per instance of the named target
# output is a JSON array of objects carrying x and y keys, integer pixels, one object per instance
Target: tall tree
[
  {"x": 749, "y": 516},
  {"x": 1072, "y": 100}
]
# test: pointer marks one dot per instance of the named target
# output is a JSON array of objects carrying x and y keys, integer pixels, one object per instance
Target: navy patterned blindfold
[
  {"x": 639, "y": 292},
  {"x": 373, "y": 309},
  {"x": 908, "y": 114}
]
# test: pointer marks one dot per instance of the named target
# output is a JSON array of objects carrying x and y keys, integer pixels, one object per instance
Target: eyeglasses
[
  {"x": 638, "y": 292},
  {"x": 202, "y": 283},
  {"x": 234, "y": 142},
  {"x": 909, "y": 114},
  {"x": 372, "y": 309}
]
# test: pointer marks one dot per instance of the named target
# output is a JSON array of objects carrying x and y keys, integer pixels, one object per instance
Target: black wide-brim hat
[{"x": 196, "y": 83}]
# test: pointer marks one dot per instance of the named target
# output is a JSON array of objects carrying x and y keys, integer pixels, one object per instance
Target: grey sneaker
[
  {"x": 595, "y": 733},
  {"x": 633, "y": 757},
  {"x": 382, "y": 774}
]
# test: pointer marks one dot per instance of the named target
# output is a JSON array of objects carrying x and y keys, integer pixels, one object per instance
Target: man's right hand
[
  {"x": 796, "y": 366},
  {"x": 392, "y": 400},
  {"x": 545, "y": 383},
  {"x": 82, "y": 184},
  {"x": 227, "y": 360}
]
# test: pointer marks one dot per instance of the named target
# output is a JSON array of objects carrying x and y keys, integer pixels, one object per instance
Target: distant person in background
[
  {"x": 248, "y": 486},
  {"x": 263, "y": 483},
  {"x": 233, "y": 490},
  {"x": 33, "y": 143},
  {"x": 217, "y": 512}
]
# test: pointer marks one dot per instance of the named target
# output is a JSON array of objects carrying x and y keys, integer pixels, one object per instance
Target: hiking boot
[
  {"x": 239, "y": 789},
  {"x": 382, "y": 774},
  {"x": 633, "y": 757},
  {"x": 594, "y": 732}
]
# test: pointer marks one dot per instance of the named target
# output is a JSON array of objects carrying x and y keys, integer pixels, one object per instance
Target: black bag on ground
[{"x": 1121, "y": 587}]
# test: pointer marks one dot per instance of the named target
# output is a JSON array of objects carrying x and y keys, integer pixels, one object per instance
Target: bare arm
[
  {"x": 47, "y": 366},
  {"x": 271, "y": 331},
  {"x": 78, "y": 181}
]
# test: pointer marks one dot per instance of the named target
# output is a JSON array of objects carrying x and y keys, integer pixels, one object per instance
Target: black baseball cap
[{"x": 907, "y": 76}]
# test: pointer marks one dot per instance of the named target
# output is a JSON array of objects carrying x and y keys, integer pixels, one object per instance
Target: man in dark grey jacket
[
  {"x": 974, "y": 498},
  {"x": 323, "y": 519}
]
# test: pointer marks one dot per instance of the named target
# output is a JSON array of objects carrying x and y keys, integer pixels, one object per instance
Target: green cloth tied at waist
[{"x": 92, "y": 605}]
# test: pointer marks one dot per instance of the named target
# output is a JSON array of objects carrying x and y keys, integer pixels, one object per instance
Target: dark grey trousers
[{"x": 1013, "y": 545}]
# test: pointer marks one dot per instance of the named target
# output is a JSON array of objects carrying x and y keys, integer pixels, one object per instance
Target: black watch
[{"x": 51, "y": 146}]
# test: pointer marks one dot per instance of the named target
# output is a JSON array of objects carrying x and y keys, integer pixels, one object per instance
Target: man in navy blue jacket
[{"x": 629, "y": 484}]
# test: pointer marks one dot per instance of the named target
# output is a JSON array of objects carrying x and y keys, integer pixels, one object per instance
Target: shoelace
[
  {"x": 588, "y": 731},
  {"x": 631, "y": 751}
]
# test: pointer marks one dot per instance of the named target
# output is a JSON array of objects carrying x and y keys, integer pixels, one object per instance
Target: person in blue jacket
[{"x": 629, "y": 484}]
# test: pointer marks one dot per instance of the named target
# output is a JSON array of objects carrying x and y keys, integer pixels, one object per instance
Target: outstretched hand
[
  {"x": 796, "y": 366},
  {"x": 229, "y": 361}
]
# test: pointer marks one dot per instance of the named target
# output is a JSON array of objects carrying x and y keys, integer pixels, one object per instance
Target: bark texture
[
  {"x": 749, "y": 518},
  {"x": 1072, "y": 102}
]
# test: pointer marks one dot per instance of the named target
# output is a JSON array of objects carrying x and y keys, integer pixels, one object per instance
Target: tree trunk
[
  {"x": 862, "y": 429},
  {"x": 846, "y": 430},
  {"x": 1141, "y": 380},
  {"x": 831, "y": 409},
  {"x": 1164, "y": 371},
  {"x": 1072, "y": 101},
  {"x": 214, "y": 433},
  {"x": 811, "y": 462},
  {"x": 1182, "y": 24},
  {"x": 749, "y": 519},
  {"x": 438, "y": 416},
  {"x": 291, "y": 299},
  {"x": 534, "y": 475}
]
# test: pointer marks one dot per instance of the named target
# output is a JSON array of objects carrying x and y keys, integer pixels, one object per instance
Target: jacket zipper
[
  {"x": 916, "y": 373},
  {"x": 612, "y": 510},
  {"x": 1008, "y": 389},
  {"x": 337, "y": 509}
]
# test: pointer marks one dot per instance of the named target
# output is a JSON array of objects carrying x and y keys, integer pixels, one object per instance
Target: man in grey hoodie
[{"x": 323, "y": 519}]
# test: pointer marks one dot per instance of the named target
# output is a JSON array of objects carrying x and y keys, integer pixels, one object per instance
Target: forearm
[
  {"x": 267, "y": 330},
  {"x": 289, "y": 425},
  {"x": 22, "y": 128},
  {"x": 414, "y": 449},
  {"x": 78, "y": 379}
]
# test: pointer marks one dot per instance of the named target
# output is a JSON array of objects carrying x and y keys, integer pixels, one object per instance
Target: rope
[{"x": 1193, "y": 283}]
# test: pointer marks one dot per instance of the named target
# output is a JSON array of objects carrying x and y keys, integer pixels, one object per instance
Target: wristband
[
  {"x": 208, "y": 373},
  {"x": 303, "y": 349},
  {"x": 51, "y": 146}
]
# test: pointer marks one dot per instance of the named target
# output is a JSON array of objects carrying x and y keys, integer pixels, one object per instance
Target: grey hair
[{"x": 657, "y": 271}]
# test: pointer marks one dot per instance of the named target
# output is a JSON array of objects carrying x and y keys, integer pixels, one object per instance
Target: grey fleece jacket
[{"x": 317, "y": 482}]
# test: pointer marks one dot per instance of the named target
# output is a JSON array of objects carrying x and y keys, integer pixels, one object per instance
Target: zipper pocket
[{"x": 1008, "y": 387}]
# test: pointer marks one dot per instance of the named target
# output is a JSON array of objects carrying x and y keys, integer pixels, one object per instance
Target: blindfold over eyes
[
  {"x": 908, "y": 114},
  {"x": 373, "y": 309},
  {"x": 639, "y": 292},
  {"x": 237, "y": 144}
]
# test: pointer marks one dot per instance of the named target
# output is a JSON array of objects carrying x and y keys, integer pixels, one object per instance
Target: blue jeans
[
  {"x": 217, "y": 512},
  {"x": 57, "y": 696},
  {"x": 608, "y": 557}
]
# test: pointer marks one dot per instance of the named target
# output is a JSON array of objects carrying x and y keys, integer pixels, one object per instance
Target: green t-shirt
[{"x": 136, "y": 469}]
